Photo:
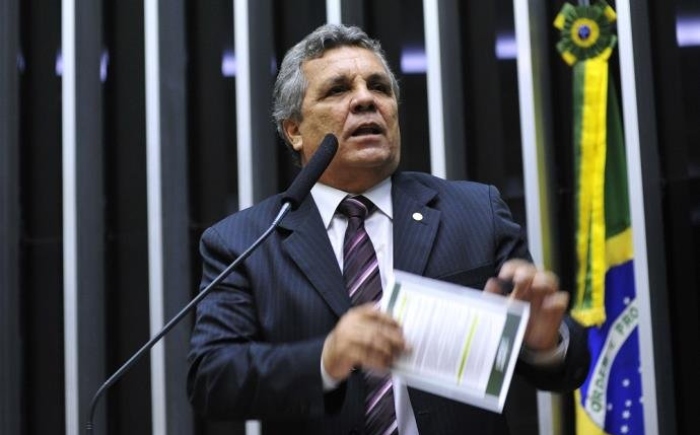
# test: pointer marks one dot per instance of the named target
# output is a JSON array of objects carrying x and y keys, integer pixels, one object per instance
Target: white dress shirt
[{"x": 380, "y": 230}]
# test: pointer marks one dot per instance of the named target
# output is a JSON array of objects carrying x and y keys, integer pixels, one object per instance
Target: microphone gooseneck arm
[
  {"x": 286, "y": 207},
  {"x": 291, "y": 199}
]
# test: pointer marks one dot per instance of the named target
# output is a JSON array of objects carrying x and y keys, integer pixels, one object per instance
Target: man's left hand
[{"x": 548, "y": 304}]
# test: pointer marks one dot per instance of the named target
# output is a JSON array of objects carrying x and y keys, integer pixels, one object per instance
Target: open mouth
[{"x": 367, "y": 129}]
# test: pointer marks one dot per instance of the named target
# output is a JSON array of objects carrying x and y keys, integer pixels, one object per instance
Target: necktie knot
[{"x": 356, "y": 207}]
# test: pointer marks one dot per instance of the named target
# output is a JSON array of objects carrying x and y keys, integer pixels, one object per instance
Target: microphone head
[{"x": 311, "y": 172}]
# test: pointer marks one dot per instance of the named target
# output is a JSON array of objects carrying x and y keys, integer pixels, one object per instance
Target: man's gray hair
[{"x": 291, "y": 83}]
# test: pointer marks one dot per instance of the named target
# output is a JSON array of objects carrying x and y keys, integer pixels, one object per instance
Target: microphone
[
  {"x": 292, "y": 197},
  {"x": 309, "y": 175}
]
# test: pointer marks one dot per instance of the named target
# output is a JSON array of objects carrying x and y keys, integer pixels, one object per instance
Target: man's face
[{"x": 349, "y": 95}]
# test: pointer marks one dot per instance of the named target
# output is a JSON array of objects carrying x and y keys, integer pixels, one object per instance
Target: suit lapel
[
  {"x": 415, "y": 224},
  {"x": 415, "y": 227},
  {"x": 308, "y": 246}
]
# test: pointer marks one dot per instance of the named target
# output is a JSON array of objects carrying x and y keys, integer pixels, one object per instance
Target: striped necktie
[{"x": 363, "y": 283}]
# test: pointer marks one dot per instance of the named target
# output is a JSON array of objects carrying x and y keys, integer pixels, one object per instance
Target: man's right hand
[{"x": 363, "y": 338}]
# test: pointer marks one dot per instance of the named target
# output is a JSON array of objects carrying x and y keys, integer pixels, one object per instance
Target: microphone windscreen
[{"x": 311, "y": 172}]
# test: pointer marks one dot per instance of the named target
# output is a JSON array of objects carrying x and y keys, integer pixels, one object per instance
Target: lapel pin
[{"x": 417, "y": 217}]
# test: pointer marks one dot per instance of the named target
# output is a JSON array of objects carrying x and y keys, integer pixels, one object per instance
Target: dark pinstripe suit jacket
[{"x": 256, "y": 346}]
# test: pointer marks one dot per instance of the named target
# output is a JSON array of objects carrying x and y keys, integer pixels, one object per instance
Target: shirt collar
[{"x": 328, "y": 198}]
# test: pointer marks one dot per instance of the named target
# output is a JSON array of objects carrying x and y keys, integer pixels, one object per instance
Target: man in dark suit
[{"x": 280, "y": 341}]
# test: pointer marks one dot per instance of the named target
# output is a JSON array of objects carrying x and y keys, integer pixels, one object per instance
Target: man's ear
[{"x": 291, "y": 130}]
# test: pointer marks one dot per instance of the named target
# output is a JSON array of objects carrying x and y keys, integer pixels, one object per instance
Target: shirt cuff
[
  {"x": 550, "y": 357},
  {"x": 328, "y": 382}
]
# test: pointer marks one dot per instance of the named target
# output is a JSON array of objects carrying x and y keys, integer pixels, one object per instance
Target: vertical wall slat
[
  {"x": 254, "y": 79},
  {"x": 639, "y": 120},
  {"x": 537, "y": 150},
  {"x": 176, "y": 280},
  {"x": 69, "y": 217},
  {"x": 255, "y": 133},
  {"x": 244, "y": 133},
  {"x": 155, "y": 210},
  {"x": 438, "y": 158},
  {"x": 445, "y": 90},
  {"x": 349, "y": 12},
  {"x": 10, "y": 321},
  {"x": 334, "y": 11},
  {"x": 169, "y": 276},
  {"x": 83, "y": 215},
  {"x": 452, "y": 79},
  {"x": 263, "y": 137}
]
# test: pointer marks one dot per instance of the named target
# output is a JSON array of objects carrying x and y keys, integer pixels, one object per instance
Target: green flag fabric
[{"x": 609, "y": 402}]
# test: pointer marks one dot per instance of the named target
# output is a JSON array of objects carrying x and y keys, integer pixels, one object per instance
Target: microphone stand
[{"x": 127, "y": 365}]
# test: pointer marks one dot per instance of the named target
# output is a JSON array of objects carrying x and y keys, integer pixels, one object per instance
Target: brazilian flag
[{"x": 610, "y": 400}]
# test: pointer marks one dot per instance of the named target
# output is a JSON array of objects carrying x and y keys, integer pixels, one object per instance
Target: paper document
[{"x": 465, "y": 342}]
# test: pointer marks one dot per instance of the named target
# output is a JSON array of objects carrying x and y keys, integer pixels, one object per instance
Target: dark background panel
[
  {"x": 677, "y": 66},
  {"x": 41, "y": 213},
  {"x": 11, "y": 355},
  {"x": 126, "y": 258},
  {"x": 211, "y": 113}
]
